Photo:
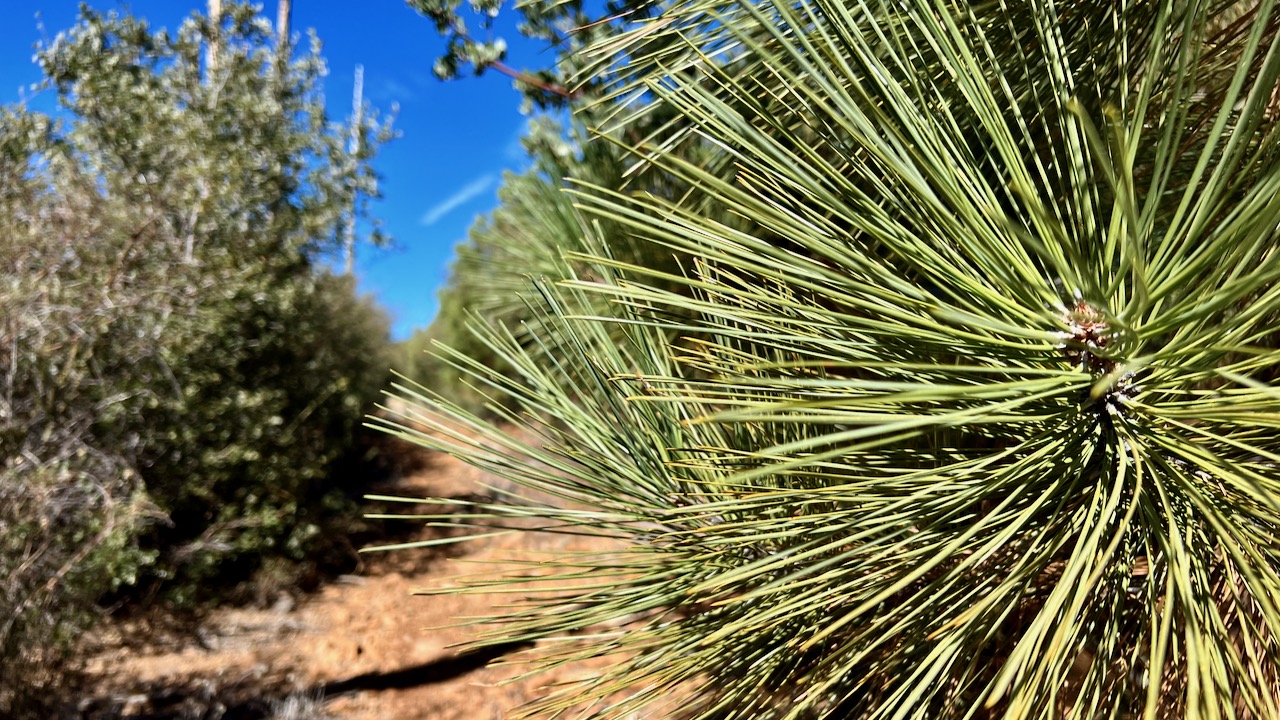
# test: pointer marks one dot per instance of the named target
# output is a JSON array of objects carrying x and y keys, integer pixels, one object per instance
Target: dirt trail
[{"x": 364, "y": 644}]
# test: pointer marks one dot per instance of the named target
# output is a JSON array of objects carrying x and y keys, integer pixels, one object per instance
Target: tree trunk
[
  {"x": 357, "y": 119},
  {"x": 284, "y": 45},
  {"x": 215, "y": 39},
  {"x": 283, "y": 13}
]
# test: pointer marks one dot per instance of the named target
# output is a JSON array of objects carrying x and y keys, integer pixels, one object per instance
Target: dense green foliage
[
  {"x": 181, "y": 381},
  {"x": 961, "y": 407}
]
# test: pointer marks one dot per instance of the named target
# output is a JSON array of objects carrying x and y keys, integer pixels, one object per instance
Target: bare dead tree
[
  {"x": 211, "y": 52},
  {"x": 284, "y": 12},
  {"x": 357, "y": 120}
]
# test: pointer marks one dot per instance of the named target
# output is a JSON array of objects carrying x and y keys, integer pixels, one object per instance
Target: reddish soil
[{"x": 362, "y": 648}]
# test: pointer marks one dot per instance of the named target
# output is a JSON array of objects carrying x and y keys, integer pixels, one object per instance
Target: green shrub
[
  {"x": 180, "y": 382},
  {"x": 977, "y": 422},
  {"x": 71, "y": 504},
  {"x": 258, "y": 453}
]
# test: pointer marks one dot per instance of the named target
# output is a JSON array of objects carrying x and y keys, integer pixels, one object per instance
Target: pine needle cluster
[{"x": 962, "y": 408}]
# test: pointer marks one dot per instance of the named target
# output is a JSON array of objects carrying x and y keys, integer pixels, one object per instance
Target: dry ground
[{"x": 365, "y": 645}]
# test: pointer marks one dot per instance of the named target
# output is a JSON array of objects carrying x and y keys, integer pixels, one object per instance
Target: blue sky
[{"x": 458, "y": 137}]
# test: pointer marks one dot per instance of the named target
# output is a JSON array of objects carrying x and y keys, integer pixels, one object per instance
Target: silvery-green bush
[{"x": 179, "y": 377}]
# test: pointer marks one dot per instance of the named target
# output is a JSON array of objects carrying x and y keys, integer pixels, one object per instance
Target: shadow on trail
[
  {"x": 205, "y": 700},
  {"x": 425, "y": 674}
]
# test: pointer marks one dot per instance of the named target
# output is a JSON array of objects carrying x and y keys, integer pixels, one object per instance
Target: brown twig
[
  {"x": 520, "y": 75},
  {"x": 525, "y": 77}
]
